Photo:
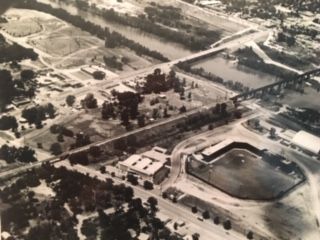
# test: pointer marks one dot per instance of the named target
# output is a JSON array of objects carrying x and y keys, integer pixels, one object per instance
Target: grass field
[{"x": 245, "y": 175}]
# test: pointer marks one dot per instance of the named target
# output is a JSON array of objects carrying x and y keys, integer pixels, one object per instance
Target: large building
[
  {"x": 308, "y": 142},
  {"x": 149, "y": 166}
]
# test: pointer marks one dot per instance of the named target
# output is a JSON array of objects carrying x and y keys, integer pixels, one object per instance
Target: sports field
[{"x": 245, "y": 175}]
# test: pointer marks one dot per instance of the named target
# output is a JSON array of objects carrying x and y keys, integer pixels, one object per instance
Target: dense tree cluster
[
  {"x": 35, "y": 115},
  {"x": 158, "y": 82},
  {"x": 129, "y": 104},
  {"x": 126, "y": 107},
  {"x": 81, "y": 194},
  {"x": 13, "y": 154},
  {"x": 8, "y": 122}
]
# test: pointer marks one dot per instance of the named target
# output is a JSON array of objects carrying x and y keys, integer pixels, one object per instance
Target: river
[
  {"x": 168, "y": 49},
  {"x": 229, "y": 70}
]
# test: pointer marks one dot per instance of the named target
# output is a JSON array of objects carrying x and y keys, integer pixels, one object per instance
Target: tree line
[{"x": 15, "y": 52}]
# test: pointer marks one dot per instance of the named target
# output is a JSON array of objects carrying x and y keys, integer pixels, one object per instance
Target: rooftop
[
  {"x": 307, "y": 141},
  {"x": 142, "y": 164},
  {"x": 211, "y": 150}
]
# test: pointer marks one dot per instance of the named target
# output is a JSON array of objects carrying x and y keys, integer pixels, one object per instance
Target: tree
[
  {"x": 183, "y": 109},
  {"x": 195, "y": 236},
  {"x": 70, "y": 100},
  {"x": 218, "y": 108},
  {"x": 165, "y": 113},
  {"x": 50, "y": 110},
  {"x": 60, "y": 138},
  {"x": 27, "y": 75},
  {"x": 224, "y": 108},
  {"x": 194, "y": 209},
  {"x": 81, "y": 140},
  {"x": 90, "y": 101},
  {"x": 128, "y": 194},
  {"x": 8, "y": 122},
  {"x": 141, "y": 120},
  {"x": 250, "y": 235},
  {"x": 107, "y": 111},
  {"x": 95, "y": 151},
  {"x": 153, "y": 203},
  {"x": 98, "y": 75},
  {"x": 132, "y": 179},
  {"x": 164, "y": 195},
  {"x": 125, "y": 117},
  {"x": 7, "y": 91},
  {"x": 148, "y": 185},
  {"x": 216, "y": 220},
  {"x": 227, "y": 225},
  {"x": 272, "y": 133},
  {"x": 56, "y": 149},
  {"x": 206, "y": 214},
  {"x": 79, "y": 158},
  {"x": 25, "y": 154}
]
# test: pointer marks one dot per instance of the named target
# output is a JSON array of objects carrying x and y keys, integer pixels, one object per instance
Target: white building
[
  {"x": 307, "y": 142},
  {"x": 149, "y": 165}
]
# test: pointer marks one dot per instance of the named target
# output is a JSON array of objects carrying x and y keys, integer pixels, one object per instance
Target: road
[{"x": 207, "y": 229}]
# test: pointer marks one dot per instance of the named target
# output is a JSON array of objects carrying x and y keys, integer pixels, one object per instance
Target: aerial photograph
[{"x": 159, "y": 120}]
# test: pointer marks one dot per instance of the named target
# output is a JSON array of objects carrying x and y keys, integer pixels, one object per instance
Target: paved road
[{"x": 207, "y": 229}]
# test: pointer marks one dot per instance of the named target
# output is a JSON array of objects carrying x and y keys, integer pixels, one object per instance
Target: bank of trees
[{"x": 198, "y": 39}]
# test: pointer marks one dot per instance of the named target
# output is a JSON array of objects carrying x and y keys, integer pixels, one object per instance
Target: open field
[
  {"x": 62, "y": 45},
  {"x": 245, "y": 175},
  {"x": 24, "y": 28}
]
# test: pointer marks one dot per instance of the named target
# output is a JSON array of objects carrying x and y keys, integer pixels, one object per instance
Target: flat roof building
[
  {"x": 307, "y": 141},
  {"x": 149, "y": 165},
  {"x": 211, "y": 150}
]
